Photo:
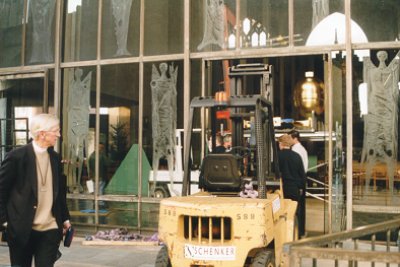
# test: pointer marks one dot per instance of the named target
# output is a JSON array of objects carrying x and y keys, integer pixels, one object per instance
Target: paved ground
[{"x": 79, "y": 255}]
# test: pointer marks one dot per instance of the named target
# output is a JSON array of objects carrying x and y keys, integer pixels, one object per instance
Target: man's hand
[{"x": 66, "y": 226}]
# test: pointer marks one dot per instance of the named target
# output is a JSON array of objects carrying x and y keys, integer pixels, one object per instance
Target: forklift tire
[
  {"x": 264, "y": 258},
  {"x": 160, "y": 192},
  {"x": 162, "y": 259}
]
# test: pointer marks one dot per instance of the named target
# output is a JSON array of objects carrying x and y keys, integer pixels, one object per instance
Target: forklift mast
[
  {"x": 244, "y": 104},
  {"x": 263, "y": 76}
]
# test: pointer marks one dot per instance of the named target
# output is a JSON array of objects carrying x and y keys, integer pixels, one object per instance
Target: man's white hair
[{"x": 42, "y": 122}]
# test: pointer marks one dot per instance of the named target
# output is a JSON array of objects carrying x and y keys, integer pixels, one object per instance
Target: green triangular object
[{"x": 125, "y": 179}]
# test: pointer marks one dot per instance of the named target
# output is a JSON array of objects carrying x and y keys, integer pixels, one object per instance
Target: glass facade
[
  {"x": 121, "y": 75},
  {"x": 80, "y": 30},
  {"x": 11, "y": 28},
  {"x": 122, "y": 39},
  {"x": 163, "y": 27}
]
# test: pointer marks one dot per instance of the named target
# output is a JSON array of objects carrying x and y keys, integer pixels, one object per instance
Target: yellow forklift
[{"x": 223, "y": 224}]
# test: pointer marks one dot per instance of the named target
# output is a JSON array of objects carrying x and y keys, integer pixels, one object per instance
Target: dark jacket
[
  {"x": 292, "y": 173},
  {"x": 294, "y": 183},
  {"x": 18, "y": 192}
]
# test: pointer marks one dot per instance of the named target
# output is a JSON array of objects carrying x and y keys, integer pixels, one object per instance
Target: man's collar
[{"x": 38, "y": 148}]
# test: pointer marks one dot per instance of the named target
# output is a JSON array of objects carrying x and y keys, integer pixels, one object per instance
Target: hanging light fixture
[{"x": 309, "y": 95}]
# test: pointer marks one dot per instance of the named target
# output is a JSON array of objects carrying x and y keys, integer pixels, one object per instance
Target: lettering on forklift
[
  {"x": 169, "y": 212},
  {"x": 245, "y": 216},
  {"x": 220, "y": 253}
]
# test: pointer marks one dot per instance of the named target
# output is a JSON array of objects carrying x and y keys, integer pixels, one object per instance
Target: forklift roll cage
[{"x": 266, "y": 151}]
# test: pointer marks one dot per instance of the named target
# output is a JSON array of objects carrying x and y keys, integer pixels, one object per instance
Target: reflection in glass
[
  {"x": 121, "y": 13},
  {"x": 381, "y": 121},
  {"x": 11, "y": 13},
  {"x": 163, "y": 89},
  {"x": 332, "y": 30},
  {"x": 263, "y": 24},
  {"x": 78, "y": 125},
  {"x": 309, "y": 14},
  {"x": 163, "y": 27},
  {"x": 41, "y": 16},
  {"x": 254, "y": 35},
  {"x": 118, "y": 125},
  {"x": 213, "y": 24},
  {"x": 379, "y": 19},
  {"x": 320, "y": 11},
  {"x": 80, "y": 30}
]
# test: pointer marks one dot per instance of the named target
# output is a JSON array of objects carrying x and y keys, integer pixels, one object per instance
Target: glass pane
[
  {"x": 163, "y": 27},
  {"x": 163, "y": 118},
  {"x": 51, "y": 91},
  {"x": 11, "y": 14},
  {"x": 378, "y": 19},
  {"x": 119, "y": 124},
  {"x": 82, "y": 212},
  {"x": 80, "y": 34},
  {"x": 339, "y": 140},
  {"x": 20, "y": 100},
  {"x": 120, "y": 28},
  {"x": 211, "y": 22},
  {"x": 40, "y": 32},
  {"x": 79, "y": 96},
  {"x": 320, "y": 22},
  {"x": 199, "y": 139},
  {"x": 375, "y": 135},
  {"x": 120, "y": 214},
  {"x": 263, "y": 23}
]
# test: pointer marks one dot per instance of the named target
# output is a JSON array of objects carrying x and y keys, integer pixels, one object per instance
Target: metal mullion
[
  {"x": 349, "y": 119},
  {"x": 98, "y": 90},
  {"x": 238, "y": 33},
  {"x": 46, "y": 92},
  {"x": 186, "y": 72},
  {"x": 57, "y": 58},
  {"x": 141, "y": 88},
  {"x": 24, "y": 19},
  {"x": 330, "y": 140}
]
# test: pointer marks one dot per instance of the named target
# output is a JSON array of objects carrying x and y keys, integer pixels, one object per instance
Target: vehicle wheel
[
  {"x": 160, "y": 192},
  {"x": 264, "y": 258},
  {"x": 162, "y": 259}
]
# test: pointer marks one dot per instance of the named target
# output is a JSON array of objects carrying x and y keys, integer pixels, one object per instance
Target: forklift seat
[{"x": 221, "y": 173}]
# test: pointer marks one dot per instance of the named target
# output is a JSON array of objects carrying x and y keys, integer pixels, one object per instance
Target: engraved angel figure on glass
[
  {"x": 78, "y": 124},
  {"x": 42, "y": 14},
  {"x": 213, "y": 24},
  {"x": 380, "y": 127},
  {"x": 163, "y": 89},
  {"x": 320, "y": 11},
  {"x": 121, "y": 11}
]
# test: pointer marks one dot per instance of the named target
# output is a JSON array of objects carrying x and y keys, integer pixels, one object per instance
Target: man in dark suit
[
  {"x": 33, "y": 208},
  {"x": 293, "y": 178}
]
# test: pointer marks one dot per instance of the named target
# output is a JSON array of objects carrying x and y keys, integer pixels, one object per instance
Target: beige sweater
[{"x": 44, "y": 219}]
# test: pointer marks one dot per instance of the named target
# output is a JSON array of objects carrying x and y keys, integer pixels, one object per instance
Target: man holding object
[{"x": 33, "y": 208}]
